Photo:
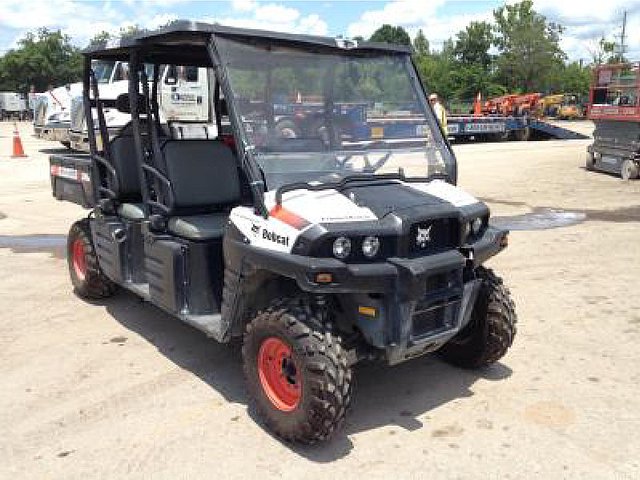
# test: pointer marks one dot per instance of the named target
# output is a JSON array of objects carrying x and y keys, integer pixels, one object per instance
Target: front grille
[
  {"x": 435, "y": 319},
  {"x": 438, "y": 310},
  {"x": 432, "y": 236}
]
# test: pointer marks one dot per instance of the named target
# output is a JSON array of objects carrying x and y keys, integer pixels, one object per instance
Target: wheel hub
[
  {"x": 78, "y": 259},
  {"x": 279, "y": 375}
]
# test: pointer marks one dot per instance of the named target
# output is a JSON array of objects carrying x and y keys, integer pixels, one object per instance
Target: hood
[{"x": 371, "y": 201}]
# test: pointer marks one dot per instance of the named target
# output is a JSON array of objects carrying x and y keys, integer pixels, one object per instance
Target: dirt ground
[{"x": 120, "y": 390}]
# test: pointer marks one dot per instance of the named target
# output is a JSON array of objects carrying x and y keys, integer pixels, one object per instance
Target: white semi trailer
[{"x": 13, "y": 106}]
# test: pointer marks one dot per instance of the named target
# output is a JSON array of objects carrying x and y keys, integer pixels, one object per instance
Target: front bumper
[{"x": 418, "y": 304}]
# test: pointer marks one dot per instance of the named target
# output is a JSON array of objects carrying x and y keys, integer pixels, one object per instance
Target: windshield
[
  {"x": 311, "y": 116},
  {"x": 102, "y": 70}
]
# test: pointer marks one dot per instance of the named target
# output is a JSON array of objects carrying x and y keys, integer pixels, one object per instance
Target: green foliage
[
  {"x": 43, "y": 59},
  {"x": 99, "y": 39},
  {"x": 570, "y": 78},
  {"x": 473, "y": 44},
  {"x": 421, "y": 44},
  {"x": 390, "y": 34},
  {"x": 528, "y": 45}
]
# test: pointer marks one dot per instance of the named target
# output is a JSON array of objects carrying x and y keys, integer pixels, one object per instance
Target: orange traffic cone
[
  {"x": 477, "y": 105},
  {"x": 18, "y": 151}
]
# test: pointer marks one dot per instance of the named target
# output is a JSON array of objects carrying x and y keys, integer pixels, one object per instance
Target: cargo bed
[{"x": 71, "y": 178}]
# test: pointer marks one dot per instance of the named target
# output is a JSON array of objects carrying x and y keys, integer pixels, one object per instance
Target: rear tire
[
  {"x": 629, "y": 170},
  {"x": 304, "y": 394},
  {"x": 86, "y": 275},
  {"x": 590, "y": 162},
  {"x": 490, "y": 331}
]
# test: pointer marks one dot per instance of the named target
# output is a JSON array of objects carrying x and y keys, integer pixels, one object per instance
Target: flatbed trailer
[
  {"x": 614, "y": 107},
  {"x": 357, "y": 123},
  {"x": 500, "y": 127}
]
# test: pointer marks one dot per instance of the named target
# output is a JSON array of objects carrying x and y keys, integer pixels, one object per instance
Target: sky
[{"x": 584, "y": 20}]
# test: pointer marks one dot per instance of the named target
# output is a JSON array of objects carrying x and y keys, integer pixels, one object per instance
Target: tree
[
  {"x": 602, "y": 51},
  {"x": 99, "y": 39},
  {"x": 421, "y": 44},
  {"x": 43, "y": 59},
  {"x": 528, "y": 45},
  {"x": 569, "y": 78},
  {"x": 474, "y": 71},
  {"x": 473, "y": 44},
  {"x": 133, "y": 30},
  {"x": 390, "y": 34}
]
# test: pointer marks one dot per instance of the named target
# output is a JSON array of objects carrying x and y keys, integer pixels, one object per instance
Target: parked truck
[
  {"x": 13, "y": 106},
  {"x": 614, "y": 107},
  {"x": 182, "y": 99}
]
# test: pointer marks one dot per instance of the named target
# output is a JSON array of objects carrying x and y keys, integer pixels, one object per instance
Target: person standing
[{"x": 441, "y": 113}]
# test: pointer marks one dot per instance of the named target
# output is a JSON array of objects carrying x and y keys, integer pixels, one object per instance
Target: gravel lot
[{"x": 120, "y": 390}]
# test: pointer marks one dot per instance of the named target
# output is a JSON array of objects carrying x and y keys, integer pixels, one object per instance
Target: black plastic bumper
[{"x": 434, "y": 289}]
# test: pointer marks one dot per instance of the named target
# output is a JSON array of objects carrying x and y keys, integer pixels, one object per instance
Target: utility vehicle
[{"x": 317, "y": 249}]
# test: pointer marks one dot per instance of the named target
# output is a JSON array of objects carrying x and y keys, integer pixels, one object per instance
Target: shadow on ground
[
  {"x": 384, "y": 396},
  {"x": 56, "y": 151}
]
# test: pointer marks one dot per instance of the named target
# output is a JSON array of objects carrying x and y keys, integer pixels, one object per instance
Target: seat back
[
  {"x": 123, "y": 160},
  {"x": 203, "y": 173}
]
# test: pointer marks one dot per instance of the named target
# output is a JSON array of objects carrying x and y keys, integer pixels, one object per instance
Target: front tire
[
  {"x": 490, "y": 331},
  {"x": 629, "y": 170},
  {"x": 297, "y": 372},
  {"x": 86, "y": 275},
  {"x": 590, "y": 163}
]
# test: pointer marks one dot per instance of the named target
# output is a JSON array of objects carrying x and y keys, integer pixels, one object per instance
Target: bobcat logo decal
[{"x": 424, "y": 236}]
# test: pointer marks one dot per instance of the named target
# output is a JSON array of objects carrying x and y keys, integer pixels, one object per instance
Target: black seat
[
  {"x": 205, "y": 183},
  {"x": 123, "y": 159}
]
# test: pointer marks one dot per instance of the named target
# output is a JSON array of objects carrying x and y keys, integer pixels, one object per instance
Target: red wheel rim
[
  {"x": 78, "y": 259},
  {"x": 279, "y": 374}
]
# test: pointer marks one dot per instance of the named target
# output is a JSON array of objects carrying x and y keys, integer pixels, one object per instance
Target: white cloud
[
  {"x": 79, "y": 19},
  {"x": 583, "y": 23},
  {"x": 594, "y": 19},
  {"x": 244, "y": 5},
  {"x": 276, "y": 17},
  {"x": 276, "y": 13},
  {"x": 405, "y": 13}
]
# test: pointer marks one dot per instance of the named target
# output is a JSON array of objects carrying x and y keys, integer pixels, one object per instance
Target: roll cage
[{"x": 190, "y": 44}]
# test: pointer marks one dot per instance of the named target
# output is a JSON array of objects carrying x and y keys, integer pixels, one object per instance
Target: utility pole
[
  {"x": 622, "y": 49},
  {"x": 624, "y": 34}
]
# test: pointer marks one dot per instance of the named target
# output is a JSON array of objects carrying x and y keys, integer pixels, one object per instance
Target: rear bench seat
[{"x": 205, "y": 181}]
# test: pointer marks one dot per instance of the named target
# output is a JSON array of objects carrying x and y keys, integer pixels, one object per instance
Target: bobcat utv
[{"x": 349, "y": 243}]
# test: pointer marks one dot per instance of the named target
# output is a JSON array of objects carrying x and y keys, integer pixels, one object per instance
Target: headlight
[
  {"x": 370, "y": 246},
  {"x": 341, "y": 247},
  {"x": 476, "y": 226}
]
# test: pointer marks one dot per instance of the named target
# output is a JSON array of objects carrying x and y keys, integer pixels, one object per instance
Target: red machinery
[
  {"x": 518, "y": 105},
  {"x": 614, "y": 107},
  {"x": 614, "y": 92}
]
